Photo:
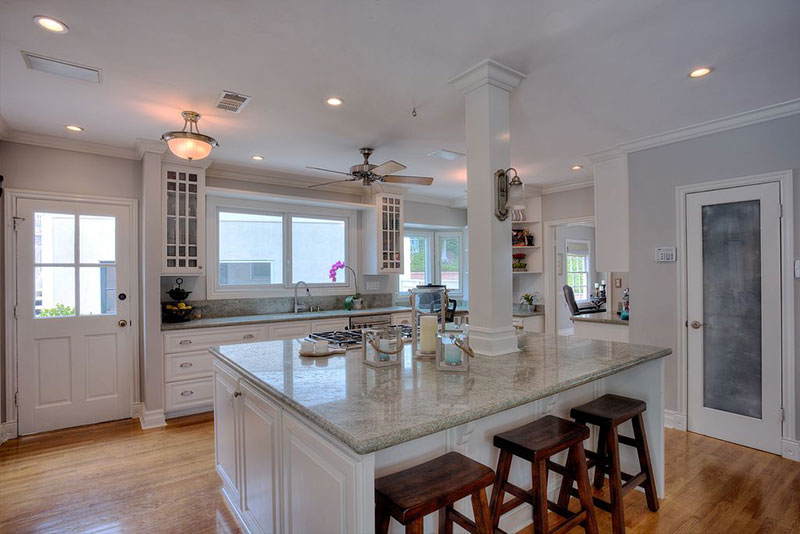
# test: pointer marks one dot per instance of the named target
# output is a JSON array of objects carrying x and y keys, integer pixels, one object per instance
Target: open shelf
[
  {"x": 525, "y": 246},
  {"x": 526, "y": 272},
  {"x": 525, "y": 222}
]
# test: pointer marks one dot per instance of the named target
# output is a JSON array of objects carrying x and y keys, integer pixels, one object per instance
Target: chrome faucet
[{"x": 298, "y": 307}]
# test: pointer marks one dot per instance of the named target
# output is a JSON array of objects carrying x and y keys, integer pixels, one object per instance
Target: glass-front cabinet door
[{"x": 183, "y": 247}]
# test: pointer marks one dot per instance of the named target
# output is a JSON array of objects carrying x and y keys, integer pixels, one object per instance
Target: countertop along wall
[
  {"x": 61, "y": 171},
  {"x": 653, "y": 176}
]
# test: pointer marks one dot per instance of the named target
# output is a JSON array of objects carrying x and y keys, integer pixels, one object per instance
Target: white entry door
[
  {"x": 734, "y": 314},
  {"x": 75, "y": 348}
]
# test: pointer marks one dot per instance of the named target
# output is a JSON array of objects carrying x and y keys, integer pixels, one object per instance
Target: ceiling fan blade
[
  {"x": 328, "y": 170},
  {"x": 413, "y": 180},
  {"x": 387, "y": 168},
  {"x": 333, "y": 182}
]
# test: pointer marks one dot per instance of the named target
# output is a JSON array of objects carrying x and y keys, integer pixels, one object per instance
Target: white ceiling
[{"x": 599, "y": 73}]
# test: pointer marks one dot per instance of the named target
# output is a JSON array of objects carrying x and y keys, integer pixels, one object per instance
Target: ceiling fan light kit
[
  {"x": 189, "y": 144},
  {"x": 369, "y": 174}
]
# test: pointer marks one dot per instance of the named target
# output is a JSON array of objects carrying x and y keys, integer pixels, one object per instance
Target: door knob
[
  {"x": 696, "y": 324},
  {"x": 122, "y": 322}
]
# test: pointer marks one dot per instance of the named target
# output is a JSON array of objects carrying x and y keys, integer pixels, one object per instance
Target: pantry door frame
[{"x": 10, "y": 426}]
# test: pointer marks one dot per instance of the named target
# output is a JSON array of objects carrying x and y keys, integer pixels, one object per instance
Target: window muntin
[
  {"x": 417, "y": 262},
  {"x": 578, "y": 268},
  {"x": 448, "y": 256},
  {"x": 432, "y": 258}
]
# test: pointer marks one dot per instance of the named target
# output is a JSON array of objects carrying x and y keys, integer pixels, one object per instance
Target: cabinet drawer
[
  {"x": 199, "y": 339},
  {"x": 327, "y": 325},
  {"x": 289, "y": 330},
  {"x": 187, "y": 365},
  {"x": 189, "y": 394},
  {"x": 401, "y": 318}
]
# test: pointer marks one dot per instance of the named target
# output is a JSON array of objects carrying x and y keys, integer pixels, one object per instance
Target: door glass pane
[
  {"x": 98, "y": 290},
  {"x": 54, "y": 238},
  {"x": 54, "y": 291},
  {"x": 316, "y": 245},
  {"x": 250, "y": 249},
  {"x": 732, "y": 307},
  {"x": 450, "y": 261},
  {"x": 97, "y": 239},
  {"x": 415, "y": 270}
]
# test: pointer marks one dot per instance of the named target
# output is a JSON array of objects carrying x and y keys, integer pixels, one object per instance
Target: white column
[
  {"x": 486, "y": 89},
  {"x": 611, "y": 211},
  {"x": 152, "y": 362}
]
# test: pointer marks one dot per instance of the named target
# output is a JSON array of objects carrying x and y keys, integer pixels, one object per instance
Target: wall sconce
[{"x": 508, "y": 194}]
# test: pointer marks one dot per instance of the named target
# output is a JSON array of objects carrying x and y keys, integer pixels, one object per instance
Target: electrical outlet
[
  {"x": 373, "y": 286},
  {"x": 617, "y": 282}
]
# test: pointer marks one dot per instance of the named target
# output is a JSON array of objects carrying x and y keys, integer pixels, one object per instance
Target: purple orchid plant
[{"x": 341, "y": 265}]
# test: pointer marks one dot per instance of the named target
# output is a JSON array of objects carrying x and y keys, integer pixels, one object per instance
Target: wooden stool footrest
[
  {"x": 462, "y": 520},
  {"x": 625, "y": 440}
]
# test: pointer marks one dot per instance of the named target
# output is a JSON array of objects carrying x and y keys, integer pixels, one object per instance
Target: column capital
[
  {"x": 486, "y": 72},
  {"x": 144, "y": 146}
]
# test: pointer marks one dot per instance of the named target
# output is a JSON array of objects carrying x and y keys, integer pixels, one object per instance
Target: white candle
[{"x": 428, "y": 325}]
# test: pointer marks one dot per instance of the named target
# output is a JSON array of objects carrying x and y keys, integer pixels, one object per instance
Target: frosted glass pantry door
[{"x": 734, "y": 313}]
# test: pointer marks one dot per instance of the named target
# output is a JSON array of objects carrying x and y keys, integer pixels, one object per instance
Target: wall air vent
[
  {"x": 443, "y": 153},
  {"x": 61, "y": 67},
  {"x": 233, "y": 102}
]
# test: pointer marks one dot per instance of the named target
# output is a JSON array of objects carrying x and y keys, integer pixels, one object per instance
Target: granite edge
[{"x": 599, "y": 320}]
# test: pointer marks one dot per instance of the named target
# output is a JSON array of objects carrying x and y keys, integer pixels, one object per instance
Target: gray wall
[
  {"x": 435, "y": 215},
  {"x": 568, "y": 204},
  {"x": 52, "y": 170},
  {"x": 654, "y": 174}
]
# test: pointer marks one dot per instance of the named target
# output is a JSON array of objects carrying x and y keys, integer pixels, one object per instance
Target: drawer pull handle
[
  {"x": 187, "y": 393},
  {"x": 237, "y": 393},
  {"x": 185, "y": 342},
  {"x": 186, "y": 364},
  {"x": 248, "y": 336}
]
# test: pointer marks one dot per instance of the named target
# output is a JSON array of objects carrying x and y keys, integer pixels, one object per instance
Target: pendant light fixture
[{"x": 192, "y": 144}]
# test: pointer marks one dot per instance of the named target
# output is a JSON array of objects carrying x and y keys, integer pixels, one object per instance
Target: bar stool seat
[
  {"x": 608, "y": 412},
  {"x": 410, "y": 495},
  {"x": 537, "y": 442}
]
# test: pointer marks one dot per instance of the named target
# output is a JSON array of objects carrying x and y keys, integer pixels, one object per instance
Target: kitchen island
[
  {"x": 600, "y": 326},
  {"x": 299, "y": 441}
]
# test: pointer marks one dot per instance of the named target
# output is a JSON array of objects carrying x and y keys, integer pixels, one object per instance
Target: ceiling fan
[{"x": 370, "y": 174}]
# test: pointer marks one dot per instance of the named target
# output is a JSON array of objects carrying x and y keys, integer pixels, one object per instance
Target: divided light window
[
  {"x": 578, "y": 268},
  {"x": 431, "y": 258}
]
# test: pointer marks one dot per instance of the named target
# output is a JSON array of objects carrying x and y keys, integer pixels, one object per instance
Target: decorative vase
[{"x": 358, "y": 304}]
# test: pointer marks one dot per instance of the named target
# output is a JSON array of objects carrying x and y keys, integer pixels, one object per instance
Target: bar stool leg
[
  {"x": 445, "y": 523},
  {"x": 578, "y": 462},
  {"x": 480, "y": 510},
  {"x": 381, "y": 520},
  {"x": 415, "y": 527},
  {"x": 566, "y": 482},
  {"x": 644, "y": 462},
  {"x": 599, "y": 478},
  {"x": 503, "y": 467},
  {"x": 539, "y": 491},
  {"x": 615, "y": 482}
]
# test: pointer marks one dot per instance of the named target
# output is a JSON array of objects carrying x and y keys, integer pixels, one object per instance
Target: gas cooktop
[{"x": 350, "y": 339}]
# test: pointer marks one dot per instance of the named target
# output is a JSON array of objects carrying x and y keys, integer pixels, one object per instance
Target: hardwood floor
[{"x": 114, "y": 477}]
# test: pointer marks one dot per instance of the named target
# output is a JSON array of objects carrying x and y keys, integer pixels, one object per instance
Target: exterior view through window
[
  {"x": 578, "y": 268},
  {"x": 250, "y": 249},
  {"x": 431, "y": 258}
]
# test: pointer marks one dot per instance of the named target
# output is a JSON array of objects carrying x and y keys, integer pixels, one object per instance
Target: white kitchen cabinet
[
  {"x": 401, "y": 318},
  {"x": 383, "y": 235},
  {"x": 328, "y": 325},
  {"x": 611, "y": 214},
  {"x": 260, "y": 458},
  {"x": 203, "y": 338},
  {"x": 188, "y": 394},
  {"x": 225, "y": 428},
  {"x": 183, "y": 223},
  {"x": 289, "y": 330},
  {"x": 531, "y": 324}
]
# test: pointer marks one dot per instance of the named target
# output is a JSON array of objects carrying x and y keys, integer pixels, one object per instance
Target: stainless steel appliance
[{"x": 351, "y": 339}]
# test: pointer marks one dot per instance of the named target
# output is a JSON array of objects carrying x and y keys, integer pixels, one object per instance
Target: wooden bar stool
[
  {"x": 537, "y": 442},
  {"x": 608, "y": 412},
  {"x": 410, "y": 495}
]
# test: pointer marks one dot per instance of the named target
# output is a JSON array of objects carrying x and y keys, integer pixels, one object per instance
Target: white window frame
[
  {"x": 284, "y": 288},
  {"x": 589, "y": 266},
  {"x": 433, "y": 268}
]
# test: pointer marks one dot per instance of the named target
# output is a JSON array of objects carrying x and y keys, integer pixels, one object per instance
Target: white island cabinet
[{"x": 300, "y": 441}]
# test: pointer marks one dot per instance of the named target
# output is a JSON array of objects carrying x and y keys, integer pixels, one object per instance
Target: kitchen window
[
  {"x": 259, "y": 249},
  {"x": 432, "y": 258},
  {"x": 578, "y": 268}
]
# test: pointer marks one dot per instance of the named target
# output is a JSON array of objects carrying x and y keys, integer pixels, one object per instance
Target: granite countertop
[
  {"x": 372, "y": 409},
  {"x": 598, "y": 318},
  {"x": 241, "y": 320}
]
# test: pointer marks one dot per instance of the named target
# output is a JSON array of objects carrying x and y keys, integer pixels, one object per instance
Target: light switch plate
[
  {"x": 617, "y": 282},
  {"x": 797, "y": 268},
  {"x": 373, "y": 286}
]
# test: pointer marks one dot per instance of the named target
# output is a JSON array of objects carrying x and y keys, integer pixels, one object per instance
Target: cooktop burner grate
[{"x": 350, "y": 338}]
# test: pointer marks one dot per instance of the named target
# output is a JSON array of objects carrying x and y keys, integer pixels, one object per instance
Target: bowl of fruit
[{"x": 176, "y": 312}]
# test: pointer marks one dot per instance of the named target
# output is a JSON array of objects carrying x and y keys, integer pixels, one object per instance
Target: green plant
[
  {"x": 528, "y": 299},
  {"x": 59, "y": 310}
]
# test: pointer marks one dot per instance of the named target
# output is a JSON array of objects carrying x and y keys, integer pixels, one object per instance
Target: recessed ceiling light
[
  {"x": 334, "y": 101},
  {"x": 74, "y": 128},
  {"x": 50, "y": 24},
  {"x": 257, "y": 158},
  {"x": 700, "y": 72},
  {"x": 576, "y": 167}
]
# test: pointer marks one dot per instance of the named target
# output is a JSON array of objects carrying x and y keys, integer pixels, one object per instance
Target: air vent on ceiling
[
  {"x": 233, "y": 102},
  {"x": 61, "y": 67},
  {"x": 443, "y": 153}
]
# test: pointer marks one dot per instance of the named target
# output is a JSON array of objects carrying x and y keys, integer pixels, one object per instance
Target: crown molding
[
  {"x": 65, "y": 143},
  {"x": 738, "y": 120},
  {"x": 567, "y": 186},
  {"x": 149, "y": 145},
  {"x": 490, "y": 72},
  {"x": 437, "y": 201}
]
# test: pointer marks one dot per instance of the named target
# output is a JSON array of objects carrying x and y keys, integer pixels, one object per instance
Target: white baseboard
[
  {"x": 676, "y": 420},
  {"x": 8, "y": 430},
  {"x": 790, "y": 449},
  {"x": 566, "y": 332},
  {"x": 151, "y": 418},
  {"x": 137, "y": 408},
  {"x": 190, "y": 411}
]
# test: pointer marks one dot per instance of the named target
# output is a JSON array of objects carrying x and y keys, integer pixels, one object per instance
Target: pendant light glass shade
[
  {"x": 516, "y": 194},
  {"x": 192, "y": 144}
]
